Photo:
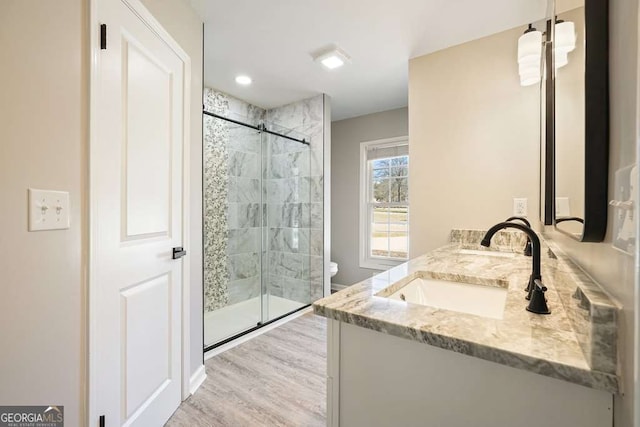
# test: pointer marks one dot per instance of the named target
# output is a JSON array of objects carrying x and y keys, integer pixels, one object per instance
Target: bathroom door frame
[{"x": 92, "y": 342}]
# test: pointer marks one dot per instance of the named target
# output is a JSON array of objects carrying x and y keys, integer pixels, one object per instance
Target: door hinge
[
  {"x": 103, "y": 36},
  {"x": 101, "y": 420}
]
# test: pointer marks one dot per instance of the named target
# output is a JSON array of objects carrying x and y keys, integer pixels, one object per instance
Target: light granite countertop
[{"x": 575, "y": 343}]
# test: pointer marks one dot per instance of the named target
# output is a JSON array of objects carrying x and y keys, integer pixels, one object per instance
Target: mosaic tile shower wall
[
  {"x": 215, "y": 187},
  {"x": 231, "y": 185}
]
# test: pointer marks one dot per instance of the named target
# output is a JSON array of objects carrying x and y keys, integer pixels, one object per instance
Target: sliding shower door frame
[
  {"x": 264, "y": 294},
  {"x": 253, "y": 329}
]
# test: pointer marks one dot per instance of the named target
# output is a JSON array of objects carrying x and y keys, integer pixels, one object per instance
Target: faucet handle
[
  {"x": 538, "y": 302},
  {"x": 539, "y": 285}
]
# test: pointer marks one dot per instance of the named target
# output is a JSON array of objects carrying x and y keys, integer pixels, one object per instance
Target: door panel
[
  {"x": 147, "y": 90},
  {"x": 136, "y": 216},
  {"x": 146, "y": 318}
]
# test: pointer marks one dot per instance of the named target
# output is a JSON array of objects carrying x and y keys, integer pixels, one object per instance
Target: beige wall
[
  {"x": 474, "y": 132},
  {"x": 346, "y": 136},
  {"x": 612, "y": 269},
  {"x": 44, "y": 144},
  {"x": 185, "y": 26}
]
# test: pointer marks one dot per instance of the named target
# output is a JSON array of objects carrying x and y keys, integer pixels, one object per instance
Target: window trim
[{"x": 365, "y": 260}]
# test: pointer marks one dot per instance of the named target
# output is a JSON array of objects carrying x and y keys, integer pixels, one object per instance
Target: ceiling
[{"x": 272, "y": 42}]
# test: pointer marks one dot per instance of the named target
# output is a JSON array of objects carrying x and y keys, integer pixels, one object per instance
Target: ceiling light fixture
[
  {"x": 332, "y": 58},
  {"x": 243, "y": 80}
]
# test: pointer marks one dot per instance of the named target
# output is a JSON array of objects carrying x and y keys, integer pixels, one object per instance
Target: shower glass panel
[
  {"x": 256, "y": 225},
  {"x": 287, "y": 222}
]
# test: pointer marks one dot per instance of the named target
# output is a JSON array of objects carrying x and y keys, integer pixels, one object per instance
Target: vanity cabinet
[
  {"x": 398, "y": 363},
  {"x": 377, "y": 379}
]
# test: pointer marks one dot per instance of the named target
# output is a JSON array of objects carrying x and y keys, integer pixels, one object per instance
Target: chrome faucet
[
  {"x": 536, "y": 290},
  {"x": 527, "y": 246}
]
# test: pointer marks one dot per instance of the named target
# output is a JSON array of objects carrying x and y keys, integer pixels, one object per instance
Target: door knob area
[{"x": 178, "y": 252}]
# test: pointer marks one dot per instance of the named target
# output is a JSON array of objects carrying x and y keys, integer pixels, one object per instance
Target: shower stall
[{"x": 262, "y": 219}]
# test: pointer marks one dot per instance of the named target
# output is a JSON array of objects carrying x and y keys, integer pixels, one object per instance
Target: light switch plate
[
  {"x": 625, "y": 209},
  {"x": 519, "y": 206},
  {"x": 48, "y": 210}
]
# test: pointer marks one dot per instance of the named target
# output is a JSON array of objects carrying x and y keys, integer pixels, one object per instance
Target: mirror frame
[
  {"x": 596, "y": 179},
  {"x": 549, "y": 148}
]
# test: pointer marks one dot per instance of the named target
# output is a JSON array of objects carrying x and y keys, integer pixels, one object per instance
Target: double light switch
[{"x": 48, "y": 210}]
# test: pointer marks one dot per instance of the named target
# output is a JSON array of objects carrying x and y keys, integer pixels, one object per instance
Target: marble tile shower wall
[
  {"x": 295, "y": 207},
  {"x": 245, "y": 224}
]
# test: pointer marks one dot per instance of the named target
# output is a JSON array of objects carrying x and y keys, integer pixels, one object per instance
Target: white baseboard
[
  {"x": 228, "y": 346},
  {"x": 197, "y": 379},
  {"x": 337, "y": 287}
]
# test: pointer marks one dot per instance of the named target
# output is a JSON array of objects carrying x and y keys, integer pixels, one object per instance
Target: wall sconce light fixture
[
  {"x": 530, "y": 56},
  {"x": 564, "y": 42}
]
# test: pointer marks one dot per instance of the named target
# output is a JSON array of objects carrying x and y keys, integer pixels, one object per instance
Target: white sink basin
[
  {"x": 486, "y": 253},
  {"x": 480, "y": 300}
]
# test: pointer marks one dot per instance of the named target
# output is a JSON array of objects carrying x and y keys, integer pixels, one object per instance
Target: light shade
[
  {"x": 529, "y": 80},
  {"x": 530, "y": 46},
  {"x": 529, "y": 76},
  {"x": 332, "y": 62},
  {"x": 243, "y": 80},
  {"x": 561, "y": 59},
  {"x": 565, "y": 37},
  {"x": 530, "y": 57},
  {"x": 332, "y": 57}
]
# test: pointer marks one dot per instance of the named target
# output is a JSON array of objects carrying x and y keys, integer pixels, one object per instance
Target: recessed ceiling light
[
  {"x": 332, "y": 57},
  {"x": 243, "y": 80},
  {"x": 332, "y": 62}
]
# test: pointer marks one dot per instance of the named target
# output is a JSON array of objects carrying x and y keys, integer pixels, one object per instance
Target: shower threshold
[{"x": 228, "y": 323}]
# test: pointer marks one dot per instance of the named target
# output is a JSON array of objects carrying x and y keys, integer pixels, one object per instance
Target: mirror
[
  {"x": 569, "y": 128},
  {"x": 579, "y": 119}
]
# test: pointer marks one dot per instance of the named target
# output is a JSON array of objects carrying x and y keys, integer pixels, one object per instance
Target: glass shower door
[
  {"x": 287, "y": 228},
  {"x": 260, "y": 209},
  {"x": 232, "y": 226}
]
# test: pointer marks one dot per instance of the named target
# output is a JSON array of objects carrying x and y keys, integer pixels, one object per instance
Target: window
[{"x": 384, "y": 203}]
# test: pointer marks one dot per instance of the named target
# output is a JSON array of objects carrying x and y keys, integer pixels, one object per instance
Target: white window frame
[{"x": 366, "y": 260}]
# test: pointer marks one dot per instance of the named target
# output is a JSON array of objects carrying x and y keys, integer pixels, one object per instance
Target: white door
[{"x": 136, "y": 220}]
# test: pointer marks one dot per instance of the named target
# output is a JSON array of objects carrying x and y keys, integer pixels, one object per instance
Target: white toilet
[{"x": 333, "y": 268}]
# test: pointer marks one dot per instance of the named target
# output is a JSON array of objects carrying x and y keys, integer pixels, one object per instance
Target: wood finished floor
[{"x": 276, "y": 379}]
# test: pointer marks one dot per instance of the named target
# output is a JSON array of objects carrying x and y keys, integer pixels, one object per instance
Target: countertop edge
[{"x": 588, "y": 378}]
